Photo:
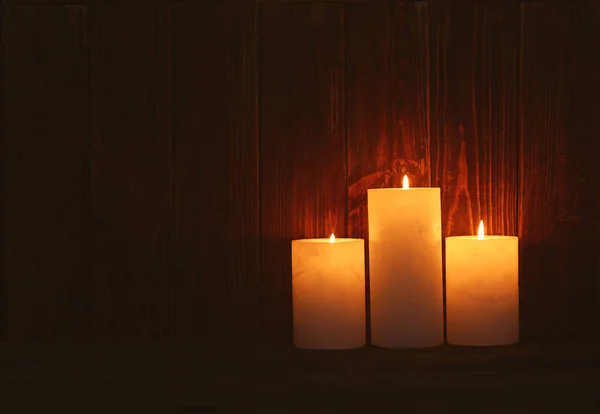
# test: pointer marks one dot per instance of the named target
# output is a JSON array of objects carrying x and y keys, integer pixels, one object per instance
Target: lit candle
[
  {"x": 405, "y": 262},
  {"x": 328, "y": 290},
  {"x": 482, "y": 289}
]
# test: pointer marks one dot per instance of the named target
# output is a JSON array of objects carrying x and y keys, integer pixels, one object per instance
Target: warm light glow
[
  {"x": 405, "y": 182},
  {"x": 332, "y": 238},
  {"x": 480, "y": 231}
]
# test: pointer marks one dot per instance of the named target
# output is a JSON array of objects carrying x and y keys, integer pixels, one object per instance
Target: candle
[
  {"x": 328, "y": 292},
  {"x": 405, "y": 263},
  {"x": 482, "y": 289}
]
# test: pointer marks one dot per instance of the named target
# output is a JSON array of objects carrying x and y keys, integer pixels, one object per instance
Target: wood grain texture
[
  {"x": 387, "y": 57},
  {"x": 559, "y": 270},
  {"x": 47, "y": 168},
  {"x": 132, "y": 172},
  {"x": 474, "y": 117},
  {"x": 3, "y": 176},
  {"x": 302, "y": 143},
  {"x": 216, "y": 158},
  {"x": 388, "y": 101},
  {"x": 593, "y": 181},
  {"x": 229, "y": 377},
  {"x": 113, "y": 225}
]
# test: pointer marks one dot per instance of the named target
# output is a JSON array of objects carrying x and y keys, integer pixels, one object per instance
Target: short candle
[
  {"x": 482, "y": 289},
  {"x": 328, "y": 292},
  {"x": 405, "y": 262}
]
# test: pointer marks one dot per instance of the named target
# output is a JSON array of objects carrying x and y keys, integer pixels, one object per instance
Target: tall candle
[
  {"x": 405, "y": 263},
  {"x": 482, "y": 289},
  {"x": 328, "y": 290}
]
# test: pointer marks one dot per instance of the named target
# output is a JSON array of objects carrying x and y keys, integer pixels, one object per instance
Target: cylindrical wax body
[
  {"x": 405, "y": 263},
  {"x": 482, "y": 290},
  {"x": 328, "y": 289}
]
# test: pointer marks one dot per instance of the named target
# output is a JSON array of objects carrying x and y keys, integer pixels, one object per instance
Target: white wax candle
[
  {"x": 405, "y": 262},
  {"x": 328, "y": 289},
  {"x": 482, "y": 290}
]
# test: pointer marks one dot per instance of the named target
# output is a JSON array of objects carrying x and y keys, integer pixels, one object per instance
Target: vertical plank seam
[
  {"x": 475, "y": 114},
  {"x": 3, "y": 145},
  {"x": 433, "y": 72},
  {"x": 345, "y": 117},
  {"x": 256, "y": 19},
  {"x": 433, "y": 7},
  {"x": 519, "y": 140},
  {"x": 427, "y": 32},
  {"x": 89, "y": 205},
  {"x": 259, "y": 270},
  {"x": 173, "y": 239}
]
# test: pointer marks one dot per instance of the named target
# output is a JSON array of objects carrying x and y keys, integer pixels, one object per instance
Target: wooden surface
[
  {"x": 593, "y": 205},
  {"x": 3, "y": 179},
  {"x": 557, "y": 161},
  {"x": 160, "y": 157},
  {"x": 216, "y": 169},
  {"x": 47, "y": 165},
  {"x": 132, "y": 168},
  {"x": 388, "y": 113},
  {"x": 302, "y": 143},
  {"x": 206, "y": 377},
  {"x": 474, "y": 117},
  {"x": 387, "y": 55}
]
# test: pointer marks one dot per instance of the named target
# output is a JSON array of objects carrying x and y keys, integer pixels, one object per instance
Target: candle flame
[
  {"x": 405, "y": 182},
  {"x": 480, "y": 231},
  {"x": 332, "y": 238}
]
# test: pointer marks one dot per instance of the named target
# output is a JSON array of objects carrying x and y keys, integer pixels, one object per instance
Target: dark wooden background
[{"x": 160, "y": 156}]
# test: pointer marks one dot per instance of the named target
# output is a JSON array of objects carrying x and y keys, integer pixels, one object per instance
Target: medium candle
[
  {"x": 328, "y": 290},
  {"x": 405, "y": 263},
  {"x": 482, "y": 289}
]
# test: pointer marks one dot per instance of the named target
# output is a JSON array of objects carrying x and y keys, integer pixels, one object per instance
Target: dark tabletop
[{"x": 243, "y": 377}]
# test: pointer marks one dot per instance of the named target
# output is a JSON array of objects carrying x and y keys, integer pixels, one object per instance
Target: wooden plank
[
  {"x": 593, "y": 182},
  {"x": 47, "y": 172},
  {"x": 229, "y": 377},
  {"x": 584, "y": 143},
  {"x": 302, "y": 143},
  {"x": 474, "y": 117},
  {"x": 388, "y": 104},
  {"x": 216, "y": 158},
  {"x": 388, "y": 101},
  {"x": 3, "y": 175},
  {"x": 559, "y": 270},
  {"x": 132, "y": 171}
]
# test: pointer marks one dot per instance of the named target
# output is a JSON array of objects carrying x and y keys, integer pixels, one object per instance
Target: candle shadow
[
  {"x": 367, "y": 292},
  {"x": 444, "y": 288}
]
